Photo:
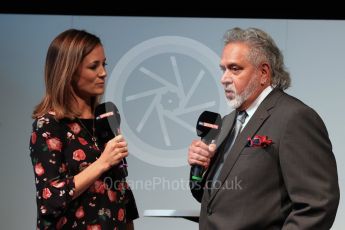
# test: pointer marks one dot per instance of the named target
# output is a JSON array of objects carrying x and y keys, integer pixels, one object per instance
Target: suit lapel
[
  {"x": 256, "y": 121},
  {"x": 227, "y": 125}
]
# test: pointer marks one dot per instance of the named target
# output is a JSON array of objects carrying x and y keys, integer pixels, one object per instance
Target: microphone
[
  {"x": 208, "y": 128},
  {"x": 107, "y": 126}
]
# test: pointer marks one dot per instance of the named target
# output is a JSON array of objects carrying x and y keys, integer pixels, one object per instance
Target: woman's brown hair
[{"x": 65, "y": 54}]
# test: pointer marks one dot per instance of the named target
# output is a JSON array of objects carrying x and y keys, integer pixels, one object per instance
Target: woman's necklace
[{"x": 92, "y": 135}]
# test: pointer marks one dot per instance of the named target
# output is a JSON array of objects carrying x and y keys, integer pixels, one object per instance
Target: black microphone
[
  {"x": 107, "y": 126},
  {"x": 208, "y": 128}
]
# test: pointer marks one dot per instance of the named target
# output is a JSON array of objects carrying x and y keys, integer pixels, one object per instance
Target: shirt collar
[{"x": 252, "y": 108}]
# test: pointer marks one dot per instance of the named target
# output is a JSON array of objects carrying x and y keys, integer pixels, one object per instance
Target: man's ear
[{"x": 265, "y": 71}]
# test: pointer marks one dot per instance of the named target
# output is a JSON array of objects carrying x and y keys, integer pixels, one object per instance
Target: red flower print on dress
[
  {"x": 120, "y": 186},
  {"x": 75, "y": 127},
  {"x": 33, "y": 137},
  {"x": 39, "y": 170},
  {"x": 82, "y": 141},
  {"x": 79, "y": 155},
  {"x": 121, "y": 214},
  {"x": 111, "y": 195},
  {"x": 98, "y": 187},
  {"x": 61, "y": 222},
  {"x": 46, "y": 193},
  {"x": 54, "y": 144},
  {"x": 125, "y": 184},
  {"x": 94, "y": 227},
  {"x": 83, "y": 165},
  {"x": 80, "y": 212},
  {"x": 57, "y": 184}
]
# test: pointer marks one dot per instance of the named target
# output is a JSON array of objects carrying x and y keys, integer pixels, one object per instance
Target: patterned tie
[{"x": 241, "y": 117}]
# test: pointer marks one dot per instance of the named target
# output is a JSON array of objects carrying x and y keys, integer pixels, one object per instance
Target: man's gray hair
[{"x": 262, "y": 48}]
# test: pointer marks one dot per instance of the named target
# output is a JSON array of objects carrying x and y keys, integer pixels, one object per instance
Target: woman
[{"x": 75, "y": 178}]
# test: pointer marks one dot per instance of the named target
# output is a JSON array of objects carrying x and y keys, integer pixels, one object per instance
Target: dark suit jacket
[{"x": 291, "y": 184}]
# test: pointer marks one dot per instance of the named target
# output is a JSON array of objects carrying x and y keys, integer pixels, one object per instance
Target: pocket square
[{"x": 259, "y": 141}]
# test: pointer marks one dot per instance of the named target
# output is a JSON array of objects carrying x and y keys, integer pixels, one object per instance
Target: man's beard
[{"x": 239, "y": 99}]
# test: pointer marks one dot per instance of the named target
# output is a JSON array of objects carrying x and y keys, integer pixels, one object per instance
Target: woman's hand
[{"x": 115, "y": 150}]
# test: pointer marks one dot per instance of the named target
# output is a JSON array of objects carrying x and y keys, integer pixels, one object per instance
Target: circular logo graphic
[{"x": 161, "y": 86}]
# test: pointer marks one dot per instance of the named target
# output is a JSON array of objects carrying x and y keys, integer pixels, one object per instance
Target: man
[{"x": 280, "y": 172}]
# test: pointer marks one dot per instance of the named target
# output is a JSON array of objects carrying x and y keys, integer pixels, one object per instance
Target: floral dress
[{"x": 59, "y": 150}]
